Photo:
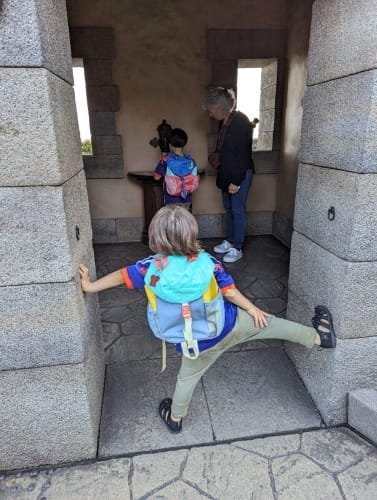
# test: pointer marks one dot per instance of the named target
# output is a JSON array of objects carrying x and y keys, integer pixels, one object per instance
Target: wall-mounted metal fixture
[
  {"x": 77, "y": 231},
  {"x": 331, "y": 213},
  {"x": 164, "y": 131}
]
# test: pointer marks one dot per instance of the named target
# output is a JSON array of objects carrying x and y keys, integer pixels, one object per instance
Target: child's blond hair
[{"x": 174, "y": 231}]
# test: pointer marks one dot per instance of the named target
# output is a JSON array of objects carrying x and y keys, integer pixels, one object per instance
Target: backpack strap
[{"x": 190, "y": 348}]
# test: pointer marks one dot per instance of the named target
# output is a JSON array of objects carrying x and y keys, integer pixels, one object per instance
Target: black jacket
[{"x": 235, "y": 153}]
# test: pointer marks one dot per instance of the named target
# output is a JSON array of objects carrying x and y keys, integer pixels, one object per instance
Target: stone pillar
[
  {"x": 51, "y": 363},
  {"x": 334, "y": 246}
]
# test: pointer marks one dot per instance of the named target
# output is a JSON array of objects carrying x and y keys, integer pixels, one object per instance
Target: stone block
[
  {"x": 102, "y": 98},
  {"x": 43, "y": 325},
  {"x": 105, "y": 166},
  {"x": 352, "y": 233},
  {"x": 129, "y": 229},
  {"x": 104, "y": 231},
  {"x": 267, "y": 120},
  {"x": 236, "y": 44},
  {"x": 269, "y": 73},
  {"x": 320, "y": 277},
  {"x": 102, "y": 123},
  {"x": 224, "y": 73},
  {"x": 46, "y": 232},
  {"x": 98, "y": 72},
  {"x": 265, "y": 141},
  {"x": 107, "y": 145},
  {"x": 259, "y": 223},
  {"x": 268, "y": 98},
  {"x": 282, "y": 228},
  {"x": 266, "y": 162},
  {"x": 39, "y": 135},
  {"x": 51, "y": 415},
  {"x": 339, "y": 124},
  {"x": 210, "y": 225},
  {"x": 330, "y": 374},
  {"x": 342, "y": 39},
  {"x": 92, "y": 43},
  {"x": 34, "y": 33},
  {"x": 362, "y": 412}
]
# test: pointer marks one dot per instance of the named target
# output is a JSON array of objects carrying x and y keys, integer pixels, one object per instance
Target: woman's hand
[
  {"x": 85, "y": 280},
  {"x": 259, "y": 316},
  {"x": 233, "y": 189}
]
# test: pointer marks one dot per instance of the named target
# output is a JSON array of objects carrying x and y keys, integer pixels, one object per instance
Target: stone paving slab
[
  {"x": 130, "y": 420},
  {"x": 277, "y": 467},
  {"x": 257, "y": 392}
]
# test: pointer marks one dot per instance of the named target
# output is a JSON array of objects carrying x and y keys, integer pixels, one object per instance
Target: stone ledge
[{"x": 362, "y": 412}]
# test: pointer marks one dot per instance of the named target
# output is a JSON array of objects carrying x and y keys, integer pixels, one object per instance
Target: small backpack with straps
[
  {"x": 185, "y": 304},
  {"x": 181, "y": 178}
]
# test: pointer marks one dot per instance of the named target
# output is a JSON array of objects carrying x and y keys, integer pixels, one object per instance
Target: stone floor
[
  {"x": 317, "y": 465},
  {"x": 252, "y": 431}
]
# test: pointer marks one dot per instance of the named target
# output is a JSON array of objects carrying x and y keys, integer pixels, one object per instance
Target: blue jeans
[{"x": 235, "y": 208}]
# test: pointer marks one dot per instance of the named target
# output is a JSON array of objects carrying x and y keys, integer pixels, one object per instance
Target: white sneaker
[
  {"x": 233, "y": 255},
  {"x": 224, "y": 247}
]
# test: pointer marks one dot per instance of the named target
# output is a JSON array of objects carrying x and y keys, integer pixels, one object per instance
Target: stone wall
[
  {"x": 51, "y": 364},
  {"x": 334, "y": 248}
]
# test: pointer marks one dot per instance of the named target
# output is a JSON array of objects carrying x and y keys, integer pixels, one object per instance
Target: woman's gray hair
[{"x": 220, "y": 97}]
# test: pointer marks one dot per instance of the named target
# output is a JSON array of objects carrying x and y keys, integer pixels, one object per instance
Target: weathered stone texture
[
  {"x": 34, "y": 33},
  {"x": 58, "y": 412},
  {"x": 320, "y": 277},
  {"x": 106, "y": 166},
  {"x": 352, "y": 234},
  {"x": 43, "y": 325},
  {"x": 282, "y": 228},
  {"x": 45, "y": 232},
  {"x": 362, "y": 412},
  {"x": 339, "y": 124},
  {"x": 39, "y": 135},
  {"x": 342, "y": 39}
]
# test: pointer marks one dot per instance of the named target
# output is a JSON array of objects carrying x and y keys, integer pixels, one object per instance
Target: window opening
[{"x": 81, "y": 100}]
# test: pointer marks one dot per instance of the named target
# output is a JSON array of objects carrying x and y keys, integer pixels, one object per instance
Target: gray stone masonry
[
  {"x": 339, "y": 124},
  {"x": 320, "y": 277},
  {"x": 51, "y": 415},
  {"x": 39, "y": 135},
  {"x": 362, "y": 412},
  {"x": 48, "y": 230},
  {"x": 325, "y": 464},
  {"x": 342, "y": 39},
  {"x": 352, "y": 234},
  {"x": 25, "y": 36}
]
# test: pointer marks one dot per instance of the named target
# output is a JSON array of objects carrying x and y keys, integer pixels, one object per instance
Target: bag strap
[
  {"x": 223, "y": 130},
  {"x": 190, "y": 348}
]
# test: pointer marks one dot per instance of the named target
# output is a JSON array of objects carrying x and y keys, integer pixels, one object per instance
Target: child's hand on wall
[{"x": 85, "y": 280}]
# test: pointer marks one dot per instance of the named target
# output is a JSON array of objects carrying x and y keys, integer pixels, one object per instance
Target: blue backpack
[
  {"x": 181, "y": 178},
  {"x": 185, "y": 304}
]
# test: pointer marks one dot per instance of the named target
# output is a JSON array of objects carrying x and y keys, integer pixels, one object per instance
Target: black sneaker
[
  {"x": 323, "y": 323},
  {"x": 165, "y": 413}
]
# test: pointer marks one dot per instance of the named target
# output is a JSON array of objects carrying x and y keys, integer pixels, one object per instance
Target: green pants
[{"x": 244, "y": 330}]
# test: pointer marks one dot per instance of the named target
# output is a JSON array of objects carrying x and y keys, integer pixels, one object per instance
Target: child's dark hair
[{"x": 178, "y": 138}]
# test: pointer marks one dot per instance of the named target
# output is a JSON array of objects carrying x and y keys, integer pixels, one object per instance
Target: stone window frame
[
  {"x": 224, "y": 49},
  {"x": 96, "y": 47}
]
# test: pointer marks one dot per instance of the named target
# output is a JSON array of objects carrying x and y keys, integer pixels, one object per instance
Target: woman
[{"x": 235, "y": 167}]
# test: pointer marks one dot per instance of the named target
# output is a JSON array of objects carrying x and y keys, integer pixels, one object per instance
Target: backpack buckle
[{"x": 186, "y": 311}]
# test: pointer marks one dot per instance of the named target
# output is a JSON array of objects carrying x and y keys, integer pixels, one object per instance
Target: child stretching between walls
[{"x": 194, "y": 303}]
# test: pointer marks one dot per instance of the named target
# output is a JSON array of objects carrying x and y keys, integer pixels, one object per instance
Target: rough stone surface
[
  {"x": 352, "y": 234},
  {"x": 208, "y": 468},
  {"x": 360, "y": 481},
  {"x": 210, "y": 225},
  {"x": 104, "y": 231},
  {"x": 110, "y": 333},
  {"x": 298, "y": 477},
  {"x": 102, "y": 123},
  {"x": 103, "y": 98},
  {"x": 43, "y": 325},
  {"x": 48, "y": 230},
  {"x": 151, "y": 472},
  {"x": 259, "y": 223},
  {"x": 129, "y": 228},
  {"x": 130, "y": 420},
  {"x": 39, "y": 135},
  {"x": 34, "y": 33},
  {"x": 352, "y": 365},
  {"x": 339, "y": 124},
  {"x": 98, "y": 72},
  {"x": 106, "y": 166},
  {"x": 320, "y": 277},
  {"x": 348, "y": 49},
  {"x": 334, "y": 449},
  {"x": 256, "y": 391},
  {"x": 107, "y": 145},
  {"x": 99, "y": 481},
  {"x": 362, "y": 412},
  {"x": 274, "y": 446},
  {"x": 282, "y": 228},
  {"x": 58, "y": 411}
]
